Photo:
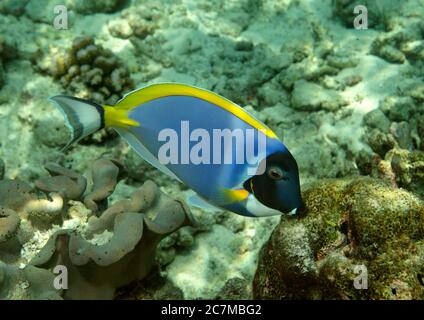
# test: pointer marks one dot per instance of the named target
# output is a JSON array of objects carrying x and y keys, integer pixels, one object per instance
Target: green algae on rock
[
  {"x": 408, "y": 168},
  {"x": 351, "y": 222}
]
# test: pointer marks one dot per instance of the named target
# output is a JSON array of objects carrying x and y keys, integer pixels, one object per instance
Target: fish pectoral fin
[
  {"x": 198, "y": 202},
  {"x": 228, "y": 196}
]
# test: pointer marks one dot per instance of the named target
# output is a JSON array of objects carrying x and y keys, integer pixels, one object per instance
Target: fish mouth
[
  {"x": 301, "y": 211},
  {"x": 293, "y": 212},
  {"x": 298, "y": 212}
]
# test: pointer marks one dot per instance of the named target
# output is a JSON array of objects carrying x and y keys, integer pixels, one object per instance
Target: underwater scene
[{"x": 212, "y": 150}]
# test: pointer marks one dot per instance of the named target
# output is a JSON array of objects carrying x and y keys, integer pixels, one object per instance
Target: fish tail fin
[{"x": 82, "y": 117}]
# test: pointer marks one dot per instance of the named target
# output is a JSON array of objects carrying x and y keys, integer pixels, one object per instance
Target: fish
[{"x": 230, "y": 159}]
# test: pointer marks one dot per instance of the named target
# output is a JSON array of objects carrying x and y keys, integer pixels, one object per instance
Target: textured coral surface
[{"x": 347, "y": 103}]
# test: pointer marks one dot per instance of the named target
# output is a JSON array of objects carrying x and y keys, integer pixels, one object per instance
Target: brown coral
[
  {"x": 67, "y": 183},
  {"x": 96, "y": 271},
  {"x": 104, "y": 175},
  {"x": 90, "y": 71}
]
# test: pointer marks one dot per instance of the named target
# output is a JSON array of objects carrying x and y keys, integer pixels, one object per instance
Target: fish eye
[{"x": 276, "y": 173}]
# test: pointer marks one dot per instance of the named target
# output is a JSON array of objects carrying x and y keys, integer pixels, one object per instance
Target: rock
[
  {"x": 398, "y": 108},
  {"x": 49, "y": 131},
  {"x": 351, "y": 224},
  {"x": 2, "y": 169},
  {"x": 402, "y": 133},
  {"x": 154, "y": 287},
  {"x": 42, "y": 10},
  {"x": 89, "y": 7},
  {"x": 404, "y": 41},
  {"x": 380, "y": 142},
  {"x": 235, "y": 289},
  {"x": 309, "y": 96},
  {"x": 392, "y": 54},
  {"x": 13, "y": 7},
  {"x": 28, "y": 283},
  {"x": 120, "y": 29},
  {"x": 377, "y": 119},
  {"x": 414, "y": 90},
  {"x": 408, "y": 167}
]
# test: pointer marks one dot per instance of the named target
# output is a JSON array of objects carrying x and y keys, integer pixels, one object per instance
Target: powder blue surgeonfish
[{"x": 228, "y": 157}]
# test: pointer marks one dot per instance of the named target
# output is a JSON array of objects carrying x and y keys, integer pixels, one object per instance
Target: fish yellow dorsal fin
[
  {"x": 118, "y": 117},
  {"x": 159, "y": 90}
]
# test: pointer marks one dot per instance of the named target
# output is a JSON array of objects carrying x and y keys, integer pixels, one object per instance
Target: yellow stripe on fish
[
  {"x": 155, "y": 91},
  {"x": 236, "y": 195}
]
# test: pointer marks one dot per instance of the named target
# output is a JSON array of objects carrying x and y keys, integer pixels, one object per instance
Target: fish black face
[{"x": 278, "y": 187}]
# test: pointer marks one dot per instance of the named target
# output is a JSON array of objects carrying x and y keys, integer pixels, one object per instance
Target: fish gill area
[{"x": 348, "y": 103}]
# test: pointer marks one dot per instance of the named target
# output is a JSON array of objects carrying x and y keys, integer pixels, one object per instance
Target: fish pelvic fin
[
  {"x": 118, "y": 117},
  {"x": 82, "y": 117}
]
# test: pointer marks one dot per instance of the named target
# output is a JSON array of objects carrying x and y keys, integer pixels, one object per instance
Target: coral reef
[
  {"x": 401, "y": 43},
  {"x": 101, "y": 252},
  {"x": 394, "y": 131},
  {"x": 140, "y": 21},
  {"x": 97, "y": 270},
  {"x": 351, "y": 222},
  {"x": 408, "y": 169},
  {"x": 28, "y": 283},
  {"x": 346, "y": 102},
  {"x": 90, "y": 71}
]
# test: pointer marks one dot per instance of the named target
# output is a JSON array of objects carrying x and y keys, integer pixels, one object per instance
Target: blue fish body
[{"x": 232, "y": 174}]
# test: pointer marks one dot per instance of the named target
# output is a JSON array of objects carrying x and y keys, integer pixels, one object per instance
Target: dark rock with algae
[{"x": 350, "y": 223}]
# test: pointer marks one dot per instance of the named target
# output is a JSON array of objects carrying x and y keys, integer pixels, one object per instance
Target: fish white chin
[
  {"x": 256, "y": 208},
  {"x": 292, "y": 213}
]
